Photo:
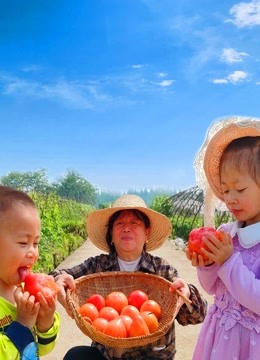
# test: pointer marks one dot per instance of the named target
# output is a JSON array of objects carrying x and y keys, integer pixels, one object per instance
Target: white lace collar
[{"x": 248, "y": 236}]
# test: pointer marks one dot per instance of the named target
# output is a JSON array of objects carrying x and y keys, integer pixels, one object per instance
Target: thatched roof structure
[{"x": 188, "y": 205}]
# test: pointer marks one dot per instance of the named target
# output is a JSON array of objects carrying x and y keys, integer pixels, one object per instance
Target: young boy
[{"x": 28, "y": 328}]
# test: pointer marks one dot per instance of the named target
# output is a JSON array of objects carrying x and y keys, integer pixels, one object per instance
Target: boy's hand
[
  {"x": 27, "y": 308},
  {"x": 47, "y": 309}
]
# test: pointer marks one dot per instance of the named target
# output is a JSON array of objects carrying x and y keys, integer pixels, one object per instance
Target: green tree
[
  {"x": 35, "y": 181},
  {"x": 162, "y": 204},
  {"x": 74, "y": 187}
]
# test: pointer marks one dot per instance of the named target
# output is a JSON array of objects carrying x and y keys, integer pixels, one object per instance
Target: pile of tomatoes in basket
[{"x": 122, "y": 316}]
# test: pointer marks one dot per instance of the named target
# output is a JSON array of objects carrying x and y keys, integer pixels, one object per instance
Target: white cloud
[
  {"x": 166, "y": 83},
  {"x": 138, "y": 66},
  {"x": 220, "y": 81},
  {"x": 235, "y": 78},
  {"x": 246, "y": 14},
  {"x": 230, "y": 55},
  {"x": 162, "y": 74},
  {"x": 71, "y": 94}
]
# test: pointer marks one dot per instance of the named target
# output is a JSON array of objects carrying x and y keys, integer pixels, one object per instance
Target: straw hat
[
  {"x": 219, "y": 135},
  {"x": 97, "y": 222}
]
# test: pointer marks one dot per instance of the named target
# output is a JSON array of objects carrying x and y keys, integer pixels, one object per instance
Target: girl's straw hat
[
  {"x": 219, "y": 135},
  {"x": 97, "y": 222}
]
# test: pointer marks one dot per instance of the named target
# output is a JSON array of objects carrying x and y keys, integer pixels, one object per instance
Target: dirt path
[{"x": 186, "y": 336}]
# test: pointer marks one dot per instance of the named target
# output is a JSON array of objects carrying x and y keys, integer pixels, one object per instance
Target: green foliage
[
  {"x": 27, "y": 181},
  {"x": 182, "y": 225},
  {"x": 74, "y": 187},
  {"x": 162, "y": 204},
  {"x": 63, "y": 228}
]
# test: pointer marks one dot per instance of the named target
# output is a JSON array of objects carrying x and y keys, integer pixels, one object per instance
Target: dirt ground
[{"x": 186, "y": 336}]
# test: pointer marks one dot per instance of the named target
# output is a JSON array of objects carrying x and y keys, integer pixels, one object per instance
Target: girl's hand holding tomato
[
  {"x": 219, "y": 251},
  {"x": 207, "y": 245}
]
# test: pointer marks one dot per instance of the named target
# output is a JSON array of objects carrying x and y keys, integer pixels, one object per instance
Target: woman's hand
[
  {"x": 182, "y": 287},
  {"x": 64, "y": 281}
]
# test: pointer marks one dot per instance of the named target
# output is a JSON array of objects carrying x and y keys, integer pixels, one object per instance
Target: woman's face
[{"x": 129, "y": 235}]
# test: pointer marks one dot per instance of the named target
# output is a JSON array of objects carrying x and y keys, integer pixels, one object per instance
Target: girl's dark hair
[
  {"x": 139, "y": 214},
  {"x": 244, "y": 155},
  {"x": 10, "y": 197}
]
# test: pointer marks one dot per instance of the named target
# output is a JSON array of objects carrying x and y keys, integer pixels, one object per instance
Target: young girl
[
  {"x": 230, "y": 157},
  {"x": 27, "y": 328}
]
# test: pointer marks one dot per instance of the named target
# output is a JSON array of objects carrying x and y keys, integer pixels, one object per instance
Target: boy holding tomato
[{"x": 28, "y": 328}]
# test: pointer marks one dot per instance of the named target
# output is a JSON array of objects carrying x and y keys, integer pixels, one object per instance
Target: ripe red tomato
[
  {"x": 97, "y": 300},
  {"x": 116, "y": 328},
  {"x": 151, "y": 320},
  {"x": 127, "y": 321},
  {"x": 137, "y": 298},
  {"x": 37, "y": 282},
  {"x": 151, "y": 306},
  {"x": 100, "y": 324},
  {"x": 108, "y": 313},
  {"x": 195, "y": 242},
  {"x": 129, "y": 310},
  {"x": 138, "y": 327},
  {"x": 117, "y": 300},
  {"x": 88, "y": 310}
]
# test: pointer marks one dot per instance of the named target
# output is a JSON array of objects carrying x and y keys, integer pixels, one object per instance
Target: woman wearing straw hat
[
  {"x": 127, "y": 231},
  {"x": 230, "y": 161}
]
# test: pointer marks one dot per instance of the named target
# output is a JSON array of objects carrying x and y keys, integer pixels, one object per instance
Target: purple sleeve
[
  {"x": 241, "y": 282},
  {"x": 208, "y": 276}
]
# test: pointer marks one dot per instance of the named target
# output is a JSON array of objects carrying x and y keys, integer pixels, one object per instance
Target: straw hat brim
[
  {"x": 97, "y": 222},
  {"x": 216, "y": 145}
]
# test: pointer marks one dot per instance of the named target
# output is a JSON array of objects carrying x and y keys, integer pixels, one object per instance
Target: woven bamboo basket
[{"x": 156, "y": 287}]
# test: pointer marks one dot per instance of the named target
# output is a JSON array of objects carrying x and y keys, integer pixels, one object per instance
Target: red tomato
[
  {"x": 138, "y": 327},
  {"x": 36, "y": 282},
  {"x": 88, "y": 310},
  {"x": 127, "y": 321},
  {"x": 195, "y": 242},
  {"x": 151, "y": 306},
  {"x": 108, "y": 313},
  {"x": 129, "y": 310},
  {"x": 116, "y": 328},
  {"x": 137, "y": 298},
  {"x": 117, "y": 300},
  {"x": 100, "y": 324},
  {"x": 151, "y": 320},
  {"x": 97, "y": 300}
]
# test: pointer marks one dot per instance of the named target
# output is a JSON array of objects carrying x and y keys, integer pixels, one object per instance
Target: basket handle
[{"x": 71, "y": 304}]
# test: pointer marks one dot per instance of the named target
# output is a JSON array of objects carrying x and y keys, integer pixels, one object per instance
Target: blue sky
[{"x": 122, "y": 91}]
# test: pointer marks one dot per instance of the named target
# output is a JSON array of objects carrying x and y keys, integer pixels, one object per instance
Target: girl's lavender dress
[{"x": 231, "y": 329}]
